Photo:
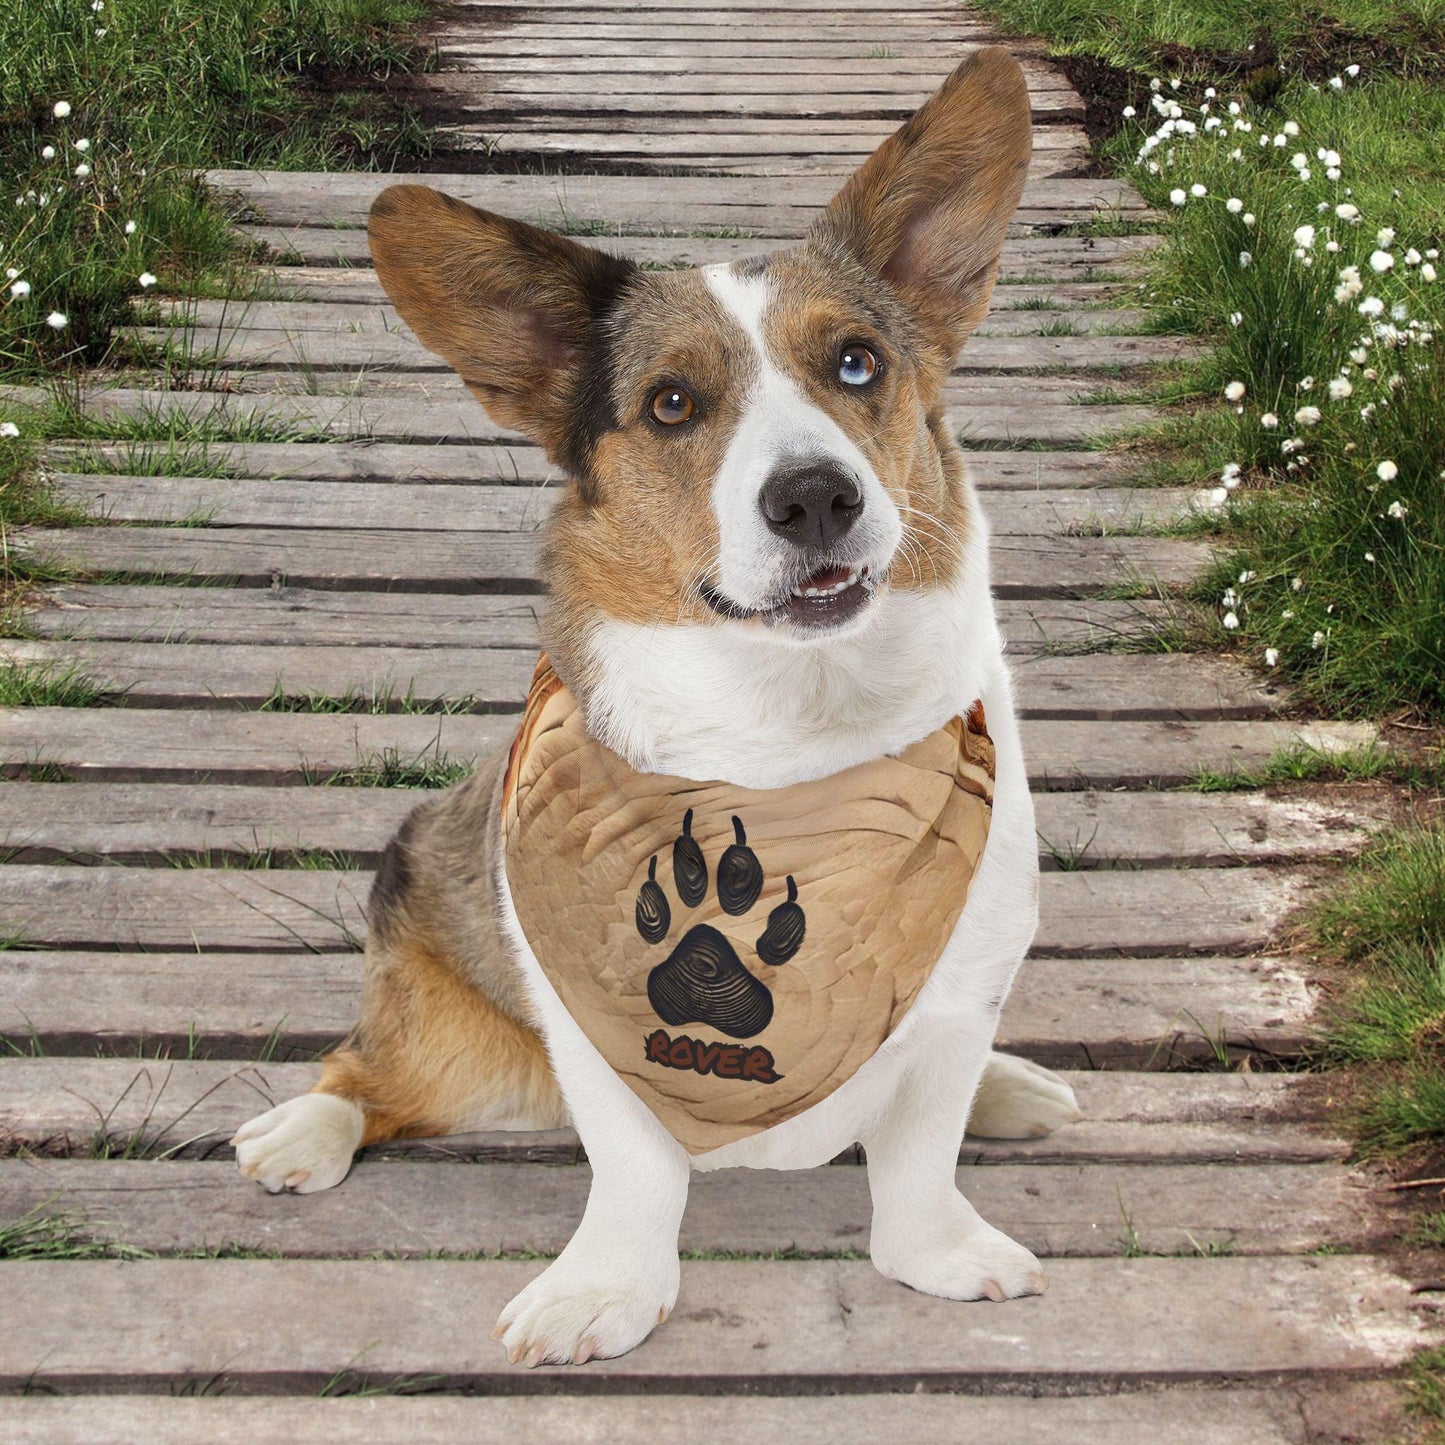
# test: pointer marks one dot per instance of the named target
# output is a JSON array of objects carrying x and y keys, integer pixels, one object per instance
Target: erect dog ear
[
  {"x": 927, "y": 211},
  {"x": 517, "y": 310}
]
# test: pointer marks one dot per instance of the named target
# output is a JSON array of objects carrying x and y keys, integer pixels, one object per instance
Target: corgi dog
[{"x": 767, "y": 568}]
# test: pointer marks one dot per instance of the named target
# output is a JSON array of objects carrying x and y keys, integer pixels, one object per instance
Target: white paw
[
  {"x": 305, "y": 1144},
  {"x": 577, "y": 1311},
  {"x": 981, "y": 1262},
  {"x": 1020, "y": 1100}
]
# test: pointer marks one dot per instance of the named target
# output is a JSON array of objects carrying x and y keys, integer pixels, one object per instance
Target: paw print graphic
[{"x": 703, "y": 981}]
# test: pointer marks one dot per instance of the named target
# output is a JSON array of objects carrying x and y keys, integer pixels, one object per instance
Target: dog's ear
[
  {"x": 515, "y": 309},
  {"x": 927, "y": 211}
]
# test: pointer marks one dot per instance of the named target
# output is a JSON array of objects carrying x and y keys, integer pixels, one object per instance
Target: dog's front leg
[
  {"x": 617, "y": 1279},
  {"x": 925, "y": 1233}
]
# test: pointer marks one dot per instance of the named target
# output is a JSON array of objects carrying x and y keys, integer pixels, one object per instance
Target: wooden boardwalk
[{"x": 336, "y": 591}]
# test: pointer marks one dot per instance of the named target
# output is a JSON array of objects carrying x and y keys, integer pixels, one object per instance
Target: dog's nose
[{"x": 811, "y": 503}]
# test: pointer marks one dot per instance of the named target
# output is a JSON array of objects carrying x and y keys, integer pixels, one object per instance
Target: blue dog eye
[{"x": 857, "y": 366}]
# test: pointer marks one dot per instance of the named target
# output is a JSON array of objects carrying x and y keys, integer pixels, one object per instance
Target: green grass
[
  {"x": 375, "y": 701},
  {"x": 47, "y": 685},
  {"x": 392, "y": 768},
  {"x": 1344, "y": 564},
  {"x": 1383, "y": 922},
  {"x": 40, "y": 1234},
  {"x": 155, "y": 90},
  {"x": 1304, "y": 764}
]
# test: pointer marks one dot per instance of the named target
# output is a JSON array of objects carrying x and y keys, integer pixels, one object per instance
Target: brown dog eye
[
  {"x": 857, "y": 366},
  {"x": 672, "y": 406}
]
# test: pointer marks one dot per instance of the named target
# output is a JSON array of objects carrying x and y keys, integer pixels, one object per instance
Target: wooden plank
[
  {"x": 457, "y": 418},
  {"x": 1105, "y": 687},
  {"x": 1157, "y": 912},
  {"x": 494, "y": 562},
  {"x": 210, "y": 323},
  {"x": 189, "y": 1108},
  {"x": 282, "y": 286},
  {"x": 767, "y": 1325},
  {"x": 1058, "y": 1211},
  {"x": 1206, "y": 1415},
  {"x": 134, "y": 612},
  {"x": 138, "y": 822},
  {"x": 1079, "y": 1013},
  {"x": 443, "y": 507},
  {"x": 524, "y": 465},
  {"x": 239, "y": 346},
  {"x": 1052, "y": 256},
  {"x": 328, "y": 199},
  {"x": 184, "y": 745}
]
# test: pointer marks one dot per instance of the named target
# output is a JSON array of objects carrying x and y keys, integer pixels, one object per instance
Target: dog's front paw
[
  {"x": 577, "y": 1311},
  {"x": 305, "y": 1144},
  {"x": 981, "y": 1262},
  {"x": 1018, "y": 1099}
]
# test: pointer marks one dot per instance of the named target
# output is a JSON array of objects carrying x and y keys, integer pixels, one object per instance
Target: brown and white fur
[{"x": 791, "y": 580}]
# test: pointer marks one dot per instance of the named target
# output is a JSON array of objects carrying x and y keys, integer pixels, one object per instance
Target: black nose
[{"x": 813, "y": 502}]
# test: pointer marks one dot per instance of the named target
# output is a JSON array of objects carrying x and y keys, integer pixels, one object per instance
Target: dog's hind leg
[
  {"x": 432, "y": 1055},
  {"x": 1018, "y": 1099}
]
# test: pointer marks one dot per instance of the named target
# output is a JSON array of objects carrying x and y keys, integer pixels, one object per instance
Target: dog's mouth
[{"x": 824, "y": 599}]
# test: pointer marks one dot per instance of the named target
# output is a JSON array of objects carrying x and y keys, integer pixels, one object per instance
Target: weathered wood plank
[
  {"x": 1156, "y": 912},
  {"x": 683, "y": 203},
  {"x": 1205, "y": 1415},
  {"x": 1078, "y": 1013},
  {"x": 521, "y": 464},
  {"x": 1108, "y": 686},
  {"x": 387, "y": 351},
  {"x": 449, "y": 507},
  {"x": 1060, "y": 257},
  {"x": 189, "y": 1108},
  {"x": 184, "y": 745},
  {"x": 217, "y": 321},
  {"x": 138, "y": 822},
  {"x": 1058, "y": 1211},
  {"x": 454, "y": 418},
  {"x": 736, "y": 1322},
  {"x": 492, "y": 562},
  {"x": 134, "y": 612}
]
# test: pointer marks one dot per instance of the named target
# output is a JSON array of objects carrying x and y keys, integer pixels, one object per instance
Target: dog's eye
[
  {"x": 857, "y": 366},
  {"x": 672, "y": 406}
]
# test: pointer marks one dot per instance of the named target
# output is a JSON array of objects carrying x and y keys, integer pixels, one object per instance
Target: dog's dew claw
[
  {"x": 654, "y": 915},
  {"x": 739, "y": 874},
  {"x": 689, "y": 867},
  {"x": 783, "y": 936}
]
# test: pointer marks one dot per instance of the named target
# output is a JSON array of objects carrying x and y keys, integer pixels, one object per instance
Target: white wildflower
[
  {"x": 82, "y": 144},
  {"x": 1236, "y": 318},
  {"x": 1130, "y": 112},
  {"x": 1427, "y": 272},
  {"x": 1317, "y": 641},
  {"x": 60, "y": 109},
  {"x": 1231, "y": 621},
  {"x": 1398, "y": 510},
  {"x": 130, "y": 228},
  {"x": 1304, "y": 236},
  {"x": 1337, "y": 82},
  {"x": 20, "y": 290},
  {"x": 1340, "y": 388},
  {"x": 1234, "y": 205},
  {"x": 1299, "y": 160},
  {"x": 1385, "y": 236},
  {"x": 1271, "y": 656},
  {"x": 1297, "y": 584},
  {"x": 1234, "y": 391},
  {"x": 82, "y": 170},
  {"x": 57, "y": 321},
  {"x": 1290, "y": 128},
  {"x": 1245, "y": 258},
  {"x": 8, "y": 430},
  {"x": 1197, "y": 190},
  {"x": 1352, "y": 71},
  {"x": 47, "y": 153},
  {"x": 1177, "y": 196},
  {"x": 1269, "y": 421},
  {"x": 1248, "y": 218},
  {"x": 1308, "y": 416},
  {"x": 1371, "y": 306},
  {"x": 1347, "y": 211},
  {"x": 1381, "y": 261},
  {"x": 1387, "y": 471}
]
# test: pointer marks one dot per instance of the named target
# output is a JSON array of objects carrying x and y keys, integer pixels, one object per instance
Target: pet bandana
[{"x": 736, "y": 954}]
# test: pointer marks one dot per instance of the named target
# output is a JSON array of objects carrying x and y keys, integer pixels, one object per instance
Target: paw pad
[{"x": 703, "y": 981}]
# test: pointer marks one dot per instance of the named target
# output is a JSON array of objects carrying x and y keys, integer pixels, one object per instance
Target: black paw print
[{"x": 702, "y": 980}]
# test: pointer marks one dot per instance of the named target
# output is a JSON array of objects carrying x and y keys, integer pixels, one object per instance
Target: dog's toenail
[
  {"x": 534, "y": 1357},
  {"x": 994, "y": 1291},
  {"x": 296, "y": 1180}
]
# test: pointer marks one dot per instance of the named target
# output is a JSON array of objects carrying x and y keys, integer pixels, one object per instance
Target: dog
[{"x": 767, "y": 569}]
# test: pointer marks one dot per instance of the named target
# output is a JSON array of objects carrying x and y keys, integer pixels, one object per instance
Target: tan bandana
[{"x": 736, "y": 954}]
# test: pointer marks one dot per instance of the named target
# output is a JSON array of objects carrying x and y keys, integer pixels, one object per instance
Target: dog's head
[{"x": 754, "y": 446}]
